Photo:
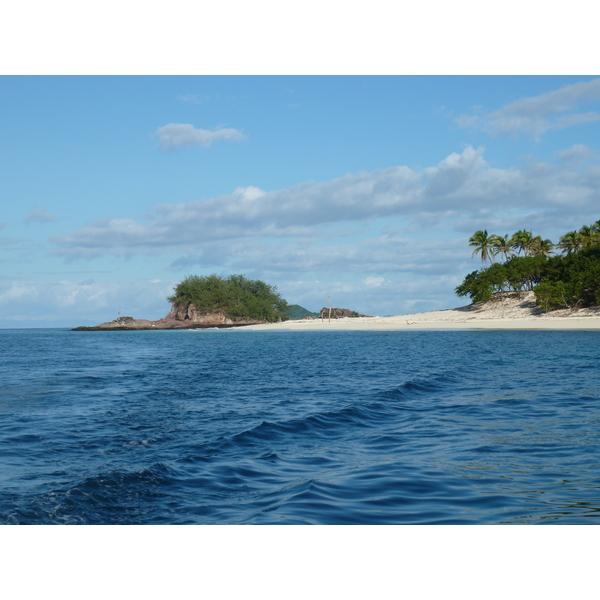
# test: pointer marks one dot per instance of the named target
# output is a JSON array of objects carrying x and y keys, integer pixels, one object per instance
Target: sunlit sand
[{"x": 503, "y": 313}]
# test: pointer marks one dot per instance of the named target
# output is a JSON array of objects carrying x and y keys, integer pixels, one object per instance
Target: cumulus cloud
[
  {"x": 252, "y": 212},
  {"x": 181, "y": 135},
  {"x": 538, "y": 114},
  {"x": 39, "y": 215},
  {"x": 462, "y": 187}
]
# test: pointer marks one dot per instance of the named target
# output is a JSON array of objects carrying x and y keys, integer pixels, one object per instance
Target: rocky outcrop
[
  {"x": 179, "y": 317},
  {"x": 124, "y": 321},
  {"x": 191, "y": 314},
  {"x": 339, "y": 313}
]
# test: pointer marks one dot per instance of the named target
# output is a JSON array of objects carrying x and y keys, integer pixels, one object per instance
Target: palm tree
[
  {"x": 501, "y": 245},
  {"x": 531, "y": 243},
  {"x": 522, "y": 241},
  {"x": 588, "y": 236},
  {"x": 541, "y": 247},
  {"x": 570, "y": 242},
  {"x": 483, "y": 244}
]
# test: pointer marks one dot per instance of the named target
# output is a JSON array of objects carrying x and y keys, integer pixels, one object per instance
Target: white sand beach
[{"x": 505, "y": 312}]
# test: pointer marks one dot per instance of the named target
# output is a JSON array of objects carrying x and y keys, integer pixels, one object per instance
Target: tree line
[{"x": 568, "y": 279}]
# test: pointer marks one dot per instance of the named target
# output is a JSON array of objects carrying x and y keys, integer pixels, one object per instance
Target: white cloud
[
  {"x": 556, "y": 101},
  {"x": 18, "y": 290},
  {"x": 373, "y": 282},
  {"x": 180, "y": 135},
  {"x": 461, "y": 188},
  {"x": 401, "y": 271},
  {"x": 575, "y": 152},
  {"x": 390, "y": 254},
  {"x": 39, "y": 215},
  {"x": 468, "y": 121},
  {"x": 72, "y": 303},
  {"x": 539, "y": 114}
]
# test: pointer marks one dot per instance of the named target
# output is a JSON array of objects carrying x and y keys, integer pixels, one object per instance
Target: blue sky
[{"x": 362, "y": 188}]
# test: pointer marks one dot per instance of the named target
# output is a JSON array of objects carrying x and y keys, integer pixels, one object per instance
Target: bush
[
  {"x": 236, "y": 297},
  {"x": 551, "y": 295}
]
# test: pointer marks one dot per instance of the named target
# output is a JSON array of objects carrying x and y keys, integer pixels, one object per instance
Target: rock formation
[
  {"x": 179, "y": 317},
  {"x": 191, "y": 315},
  {"x": 339, "y": 313}
]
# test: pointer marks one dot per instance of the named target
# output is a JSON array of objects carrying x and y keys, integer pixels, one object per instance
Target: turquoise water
[{"x": 221, "y": 426}]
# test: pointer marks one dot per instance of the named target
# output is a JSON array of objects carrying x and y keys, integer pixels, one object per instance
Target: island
[
  {"x": 531, "y": 289},
  {"x": 201, "y": 302}
]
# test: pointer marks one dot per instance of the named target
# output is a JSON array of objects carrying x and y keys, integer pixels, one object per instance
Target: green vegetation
[
  {"x": 296, "y": 312},
  {"x": 571, "y": 279},
  {"x": 237, "y": 297}
]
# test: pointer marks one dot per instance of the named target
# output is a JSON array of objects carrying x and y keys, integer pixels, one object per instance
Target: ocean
[{"x": 311, "y": 427}]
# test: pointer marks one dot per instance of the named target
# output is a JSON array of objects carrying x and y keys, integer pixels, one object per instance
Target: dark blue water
[{"x": 221, "y": 426}]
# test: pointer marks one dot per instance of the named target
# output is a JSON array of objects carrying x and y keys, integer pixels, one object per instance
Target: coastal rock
[
  {"x": 123, "y": 321},
  {"x": 190, "y": 313},
  {"x": 339, "y": 313},
  {"x": 179, "y": 317}
]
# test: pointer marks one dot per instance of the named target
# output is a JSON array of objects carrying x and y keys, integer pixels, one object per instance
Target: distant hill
[{"x": 296, "y": 312}]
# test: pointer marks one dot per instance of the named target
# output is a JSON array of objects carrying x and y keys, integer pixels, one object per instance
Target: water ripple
[{"x": 299, "y": 428}]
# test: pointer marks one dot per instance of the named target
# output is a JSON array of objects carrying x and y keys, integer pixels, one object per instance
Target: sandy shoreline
[{"x": 504, "y": 313}]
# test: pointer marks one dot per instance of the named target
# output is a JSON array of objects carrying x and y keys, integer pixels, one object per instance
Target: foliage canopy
[
  {"x": 569, "y": 280},
  {"x": 236, "y": 296}
]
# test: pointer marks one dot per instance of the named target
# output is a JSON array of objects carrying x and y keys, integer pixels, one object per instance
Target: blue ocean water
[{"x": 247, "y": 427}]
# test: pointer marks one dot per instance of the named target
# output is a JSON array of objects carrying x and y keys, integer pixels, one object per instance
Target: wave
[
  {"x": 364, "y": 413},
  {"x": 113, "y": 497}
]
